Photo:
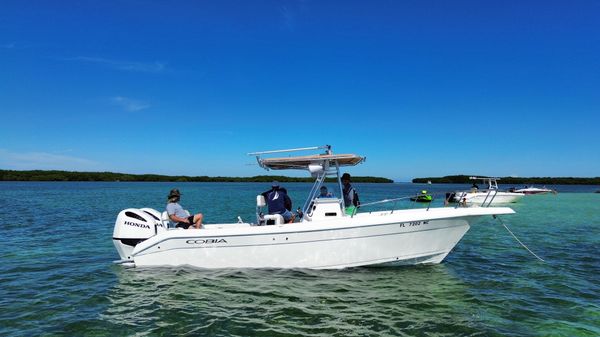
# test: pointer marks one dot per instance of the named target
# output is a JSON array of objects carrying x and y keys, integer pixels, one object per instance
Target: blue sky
[{"x": 422, "y": 88}]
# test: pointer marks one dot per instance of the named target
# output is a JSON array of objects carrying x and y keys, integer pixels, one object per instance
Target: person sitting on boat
[
  {"x": 474, "y": 188},
  {"x": 178, "y": 215},
  {"x": 279, "y": 202},
  {"x": 350, "y": 196},
  {"x": 324, "y": 193}
]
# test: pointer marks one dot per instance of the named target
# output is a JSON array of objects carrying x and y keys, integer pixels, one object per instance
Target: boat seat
[
  {"x": 166, "y": 221},
  {"x": 274, "y": 219},
  {"x": 269, "y": 219}
]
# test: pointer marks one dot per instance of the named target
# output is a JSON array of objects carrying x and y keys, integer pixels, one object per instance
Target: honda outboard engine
[{"x": 134, "y": 226}]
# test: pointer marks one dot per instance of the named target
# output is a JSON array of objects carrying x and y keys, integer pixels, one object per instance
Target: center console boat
[{"x": 323, "y": 237}]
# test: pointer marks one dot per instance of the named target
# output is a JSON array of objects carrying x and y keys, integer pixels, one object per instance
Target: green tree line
[
  {"x": 464, "y": 179},
  {"x": 42, "y": 175}
]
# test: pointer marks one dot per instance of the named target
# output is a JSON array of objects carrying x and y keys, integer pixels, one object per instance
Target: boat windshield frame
[{"x": 492, "y": 182}]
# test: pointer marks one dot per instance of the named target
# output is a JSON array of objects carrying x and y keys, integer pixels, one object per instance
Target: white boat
[
  {"x": 485, "y": 197},
  {"x": 324, "y": 238},
  {"x": 534, "y": 190}
]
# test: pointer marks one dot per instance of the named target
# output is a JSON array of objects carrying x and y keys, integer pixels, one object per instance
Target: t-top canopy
[{"x": 302, "y": 162}]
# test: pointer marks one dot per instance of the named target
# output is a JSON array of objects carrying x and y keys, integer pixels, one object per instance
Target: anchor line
[{"x": 516, "y": 238}]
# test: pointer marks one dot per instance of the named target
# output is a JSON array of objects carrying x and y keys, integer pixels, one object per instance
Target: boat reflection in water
[{"x": 246, "y": 302}]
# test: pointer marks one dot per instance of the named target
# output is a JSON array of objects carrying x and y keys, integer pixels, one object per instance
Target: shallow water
[{"x": 58, "y": 277}]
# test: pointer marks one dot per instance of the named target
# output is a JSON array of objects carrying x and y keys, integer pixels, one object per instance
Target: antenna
[{"x": 327, "y": 147}]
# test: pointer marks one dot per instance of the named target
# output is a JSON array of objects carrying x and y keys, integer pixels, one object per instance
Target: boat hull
[
  {"x": 403, "y": 237},
  {"x": 534, "y": 191},
  {"x": 478, "y": 198}
]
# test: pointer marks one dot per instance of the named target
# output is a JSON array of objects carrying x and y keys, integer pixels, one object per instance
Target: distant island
[
  {"x": 42, "y": 175},
  {"x": 464, "y": 179}
]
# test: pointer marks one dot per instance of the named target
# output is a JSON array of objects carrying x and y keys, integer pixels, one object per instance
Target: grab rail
[
  {"x": 490, "y": 196},
  {"x": 395, "y": 200},
  {"x": 380, "y": 202},
  {"x": 385, "y": 201}
]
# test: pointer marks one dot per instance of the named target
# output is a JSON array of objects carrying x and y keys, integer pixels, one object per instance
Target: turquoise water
[{"x": 57, "y": 276}]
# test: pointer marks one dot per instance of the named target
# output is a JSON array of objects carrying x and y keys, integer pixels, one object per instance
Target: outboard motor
[{"x": 132, "y": 227}]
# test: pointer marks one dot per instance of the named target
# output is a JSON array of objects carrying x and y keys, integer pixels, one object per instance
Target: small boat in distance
[
  {"x": 533, "y": 190},
  {"x": 325, "y": 237},
  {"x": 484, "y": 197}
]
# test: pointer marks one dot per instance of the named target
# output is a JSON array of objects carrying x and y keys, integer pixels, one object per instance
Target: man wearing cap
[
  {"x": 351, "y": 201},
  {"x": 279, "y": 202},
  {"x": 178, "y": 215}
]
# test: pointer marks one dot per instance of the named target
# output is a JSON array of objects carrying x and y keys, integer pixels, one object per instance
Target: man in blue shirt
[
  {"x": 178, "y": 215},
  {"x": 279, "y": 202}
]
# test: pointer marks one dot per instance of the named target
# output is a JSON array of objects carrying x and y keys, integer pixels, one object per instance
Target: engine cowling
[{"x": 134, "y": 226}]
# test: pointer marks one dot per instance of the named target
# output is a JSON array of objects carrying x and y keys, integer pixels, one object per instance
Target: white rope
[{"x": 516, "y": 238}]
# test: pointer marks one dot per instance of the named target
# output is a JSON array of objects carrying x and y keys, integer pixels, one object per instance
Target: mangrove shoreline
[{"x": 53, "y": 175}]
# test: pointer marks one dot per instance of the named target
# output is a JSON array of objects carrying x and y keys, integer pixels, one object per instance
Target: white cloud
[
  {"x": 146, "y": 67},
  {"x": 129, "y": 104},
  {"x": 43, "y": 161}
]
